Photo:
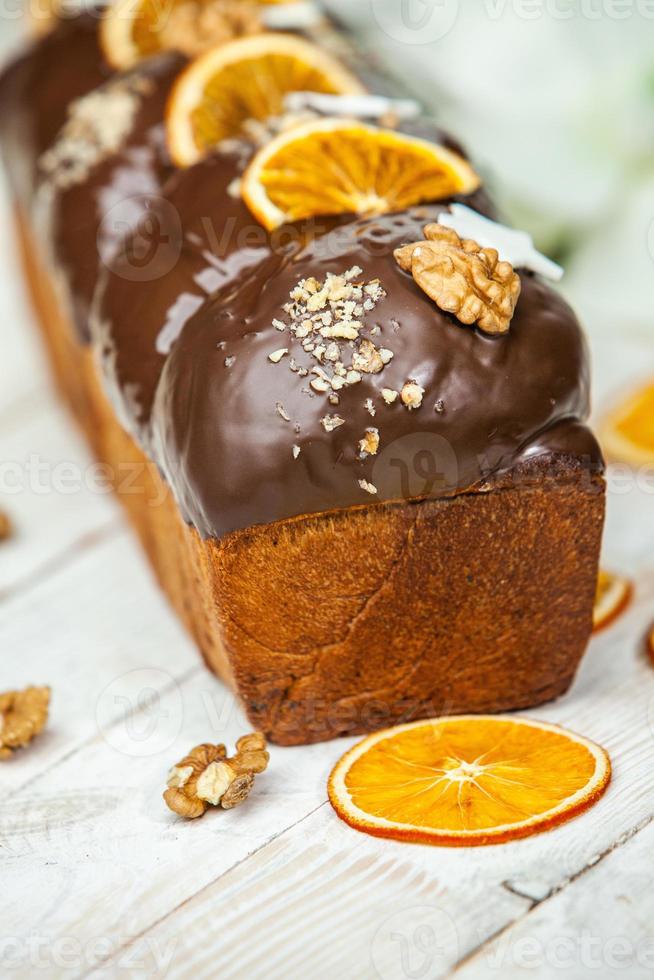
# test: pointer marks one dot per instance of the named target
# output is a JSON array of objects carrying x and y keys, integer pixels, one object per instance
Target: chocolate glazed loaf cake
[{"x": 365, "y": 507}]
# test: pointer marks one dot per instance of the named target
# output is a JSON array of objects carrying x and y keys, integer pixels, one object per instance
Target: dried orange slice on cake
[
  {"x": 467, "y": 780},
  {"x": 341, "y": 166},
  {"x": 246, "y": 80},
  {"x": 135, "y": 29},
  {"x": 611, "y": 599},
  {"x": 627, "y": 434}
]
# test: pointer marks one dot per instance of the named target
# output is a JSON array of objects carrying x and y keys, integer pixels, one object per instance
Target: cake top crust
[{"x": 248, "y": 430}]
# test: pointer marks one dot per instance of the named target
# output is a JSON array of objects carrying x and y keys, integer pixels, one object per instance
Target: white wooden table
[{"x": 98, "y": 877}]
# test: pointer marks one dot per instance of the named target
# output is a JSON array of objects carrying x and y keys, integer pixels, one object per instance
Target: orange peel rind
[
  {"x": 339, "y": 166},
  {"x": 467, "y": 780},
  {"x": 242, "y": 82},
  {"x": 627, "y": 433},
  {"x": 614, "y": 593}
]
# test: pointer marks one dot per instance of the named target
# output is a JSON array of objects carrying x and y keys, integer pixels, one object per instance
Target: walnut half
[
  {"x": 462, "y": 278},
  {"x": 23, "y": 715},
  {"x": 207, "y": 777}
]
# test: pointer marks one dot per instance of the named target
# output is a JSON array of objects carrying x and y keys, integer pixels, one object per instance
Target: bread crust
[{"x": 341, "y": 623}]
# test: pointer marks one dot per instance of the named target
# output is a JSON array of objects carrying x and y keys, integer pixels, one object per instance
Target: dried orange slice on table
[
  {"x": 627, "y": 434},
  {"x": 613, "y": 595},
  {"x": 467, "y": 780},
  {"x": 336, "y": 166},
  {"x": 242, "y": 81},
  {"x": 649, "y": 644},
  {"x": 135, "y": 29}
]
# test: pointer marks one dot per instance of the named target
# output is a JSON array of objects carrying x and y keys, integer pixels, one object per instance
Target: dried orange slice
[
  {"x": 627, "y": 434},
  {"x": 611, "y": 599},
  {"x": 341, "y": 166},
  {"x": 467, "y": 780},
  {"x": 242, "y": 81},
  {"x": 650, "y": 644},
  {"x": 135, "y": 29}
]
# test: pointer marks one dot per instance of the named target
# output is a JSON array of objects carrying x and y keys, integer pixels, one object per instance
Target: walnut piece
[
  {"x": 23, "y": 714},
  {"x": 462, "y": 278},
  {"x": 369, "y": 445},
  {"x": 207, "y": 777},
  {"x": 411, "y": 394}
]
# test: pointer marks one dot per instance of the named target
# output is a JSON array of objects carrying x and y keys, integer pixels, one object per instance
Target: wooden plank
[
  {"x": 24, "y": 372},
  {"x": 322, "y": 901},
  {"x": 109, "y": 858},
  {"x": 128, "y": 835},
  {"x": 99, "y": 632},
  {"x": 600, "y": 926},
  {"x": 53, "y": 492}
]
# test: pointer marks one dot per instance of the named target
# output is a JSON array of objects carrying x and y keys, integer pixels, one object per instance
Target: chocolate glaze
[
  {"x": 182, "y": 318},
  {"x": 36, "y": 90},
  {"x": 84, "y": 223},
  {"x": 227, "y": 452},
  {"x": 199, "y": 239}
]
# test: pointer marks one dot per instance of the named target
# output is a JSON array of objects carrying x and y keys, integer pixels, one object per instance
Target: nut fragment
[
  {"x": 368, "y": 487},
  {"x": 462, "y": 278},
  {"x": 331, "y": 422},
  {"x": 369, "y": 445},
  {"x": 23, "y": 714},
  {"x": 411, "y": 394},
  {"x": 207, "y": 777}
]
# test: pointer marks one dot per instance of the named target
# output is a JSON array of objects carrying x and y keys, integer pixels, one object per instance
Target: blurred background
[{"x": 555, "y": 101}]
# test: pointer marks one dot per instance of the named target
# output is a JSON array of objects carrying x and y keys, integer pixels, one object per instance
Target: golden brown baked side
[{"x": 340, "y": 623}]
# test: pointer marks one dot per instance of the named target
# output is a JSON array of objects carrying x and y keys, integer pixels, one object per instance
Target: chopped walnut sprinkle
[
  {"x": 368, "y": 487},
  {"x": 207, "y": 777},
  {"x": 327, "y": 317},
  {"x": 411, "y": 394},
  {"x": 281, "y": 411},
  {"x": 369, "y": 445},
  {"x": 296, "y": 451},
  {"x": 331, "y": 422},
  {"x": 389, "y": 395},
  {"x": 97, "y": 126},
  {"x": 23, "y": 715}
]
